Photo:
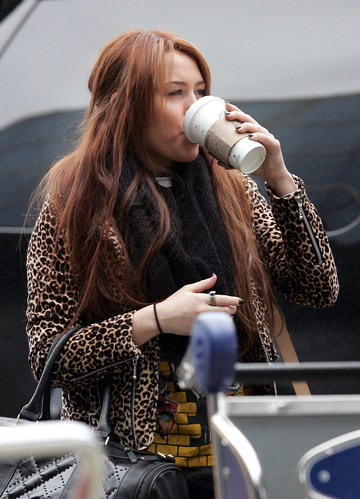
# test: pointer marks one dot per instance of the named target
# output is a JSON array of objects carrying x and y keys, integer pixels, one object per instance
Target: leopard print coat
[{"x": 301, "y": 268}]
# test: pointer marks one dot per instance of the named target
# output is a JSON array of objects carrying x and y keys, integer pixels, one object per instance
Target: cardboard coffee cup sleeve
[{"x": 221, "y": 138}]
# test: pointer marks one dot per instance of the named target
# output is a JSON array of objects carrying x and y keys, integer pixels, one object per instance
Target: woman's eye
[
  {"x": 176, "y": 92},
  {"x": 201, "y": 92}
]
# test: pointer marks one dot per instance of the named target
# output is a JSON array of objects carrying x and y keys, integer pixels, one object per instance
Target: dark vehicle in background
[{"x": 320, "y": 138}]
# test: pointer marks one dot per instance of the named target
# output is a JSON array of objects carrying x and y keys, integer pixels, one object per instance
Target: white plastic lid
[{"x": 194, "y": 107}]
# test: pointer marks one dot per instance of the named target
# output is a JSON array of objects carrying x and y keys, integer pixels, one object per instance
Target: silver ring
[{"x": 212, "y": 298}]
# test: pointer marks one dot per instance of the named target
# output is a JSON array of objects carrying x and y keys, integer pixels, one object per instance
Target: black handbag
[{"x": 128, "y": 473}]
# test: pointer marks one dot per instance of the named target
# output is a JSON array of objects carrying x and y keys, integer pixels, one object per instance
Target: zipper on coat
[
  {"x": 132, "y": 400},
  {"x": 262, "y": 344},
  {"x": 101, "y": 369},
  {"x": 308, "y": 228}
]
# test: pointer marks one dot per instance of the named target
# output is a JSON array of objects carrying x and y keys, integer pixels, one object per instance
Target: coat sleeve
[
  {"x": 294, "y": 247},
  {"x": 52, "y": 302}
]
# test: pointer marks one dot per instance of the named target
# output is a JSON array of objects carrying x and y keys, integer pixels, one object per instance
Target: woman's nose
[{"x": 190, "y": 100}]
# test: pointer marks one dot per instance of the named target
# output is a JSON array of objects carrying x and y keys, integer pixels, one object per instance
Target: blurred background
[{"x": 294, "y": 66}]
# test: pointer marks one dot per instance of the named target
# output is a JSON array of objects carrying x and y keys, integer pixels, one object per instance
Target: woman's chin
[{"x": 191, "y": 153}]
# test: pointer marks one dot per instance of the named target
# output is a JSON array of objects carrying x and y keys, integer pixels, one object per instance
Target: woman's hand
[
  {"x": 177, "y": 313},
  {"x": 273, "y": 169}
]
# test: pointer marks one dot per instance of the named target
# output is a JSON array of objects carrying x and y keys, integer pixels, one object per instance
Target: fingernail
[
  {"x": 227, "y": 112},
  {"x": 251, "y": 135},
  {"x": 241, "y": 301},
  {"x": 238, "y": 127}
]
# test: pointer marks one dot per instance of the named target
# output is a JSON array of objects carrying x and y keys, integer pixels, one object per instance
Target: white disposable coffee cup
[
  {"x": 200, "y": 116},
  {"x": 205, "y": 124}
]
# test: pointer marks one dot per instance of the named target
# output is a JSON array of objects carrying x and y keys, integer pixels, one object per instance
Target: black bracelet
[{"x": 157, "y": 320}]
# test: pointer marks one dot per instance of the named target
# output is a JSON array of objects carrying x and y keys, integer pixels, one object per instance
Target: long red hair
[{"x": 83, "y": 189}]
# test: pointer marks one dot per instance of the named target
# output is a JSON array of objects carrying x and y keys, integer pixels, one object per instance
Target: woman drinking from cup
[{"x": 141, "y": 230}]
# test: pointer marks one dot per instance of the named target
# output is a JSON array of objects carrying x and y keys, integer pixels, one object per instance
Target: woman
[{"x": 138, "y": 215}]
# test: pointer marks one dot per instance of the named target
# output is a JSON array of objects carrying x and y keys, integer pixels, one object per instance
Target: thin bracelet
[{"x": 157, "y": 320}]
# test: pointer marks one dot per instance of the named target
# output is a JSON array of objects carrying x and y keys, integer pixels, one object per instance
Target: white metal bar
[
  {"x": 244, "y": 454},
  {"x": 56, "y": 438}
]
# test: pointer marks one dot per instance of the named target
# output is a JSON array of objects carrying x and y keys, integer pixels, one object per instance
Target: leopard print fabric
[
  {"x": 285, "y": 249},
  {"x": 302, "y": 273},
  {"x": 52, "y": 301}
]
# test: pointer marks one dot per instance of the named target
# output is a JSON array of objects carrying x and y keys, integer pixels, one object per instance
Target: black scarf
[{"x": 197, "y": 245}]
